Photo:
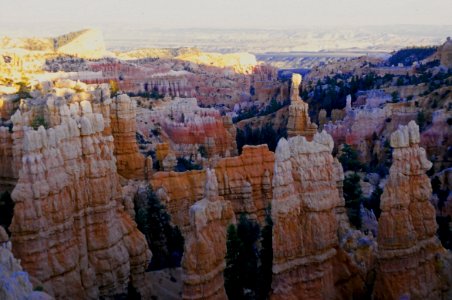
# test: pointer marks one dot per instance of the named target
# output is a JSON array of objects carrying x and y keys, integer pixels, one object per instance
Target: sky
[{"x": 275, "y": 14}]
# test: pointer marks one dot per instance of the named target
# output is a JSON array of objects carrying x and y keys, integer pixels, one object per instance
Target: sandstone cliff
[
  {"x": 243, "y": 180},
  {"x": 299, "y": 122},
  {"x": 409, "y": 254},
  {"x": 69, "y": 227},
  {"x": 179, "y": 191},
  {"x": 205, "y": 244}
]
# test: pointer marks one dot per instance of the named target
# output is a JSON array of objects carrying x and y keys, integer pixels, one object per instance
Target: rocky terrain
[
  {"x": 243, "y": 184},
  {"x": 411, "y": 259}
]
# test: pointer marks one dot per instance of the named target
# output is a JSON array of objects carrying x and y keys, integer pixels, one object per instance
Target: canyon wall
[
  {"x": 409, "y": 253},
  {"x": 243, "y": 180},
  {"x": 69, "y": 227},
  {"x": 205, "y": 244}
]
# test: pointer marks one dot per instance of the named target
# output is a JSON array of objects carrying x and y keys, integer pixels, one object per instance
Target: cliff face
[
  {"x": 409, "y": 253},
  {"x": 245, "y": 180},
  {"x": 129, "y": 162},
  {"x": 179, "y": 191},
  {"x": 305, "y": 196},
  {"x": 69, "y": 228},
  {"x": 299, "y": 122},
  {"x": 205, "y": 244}
]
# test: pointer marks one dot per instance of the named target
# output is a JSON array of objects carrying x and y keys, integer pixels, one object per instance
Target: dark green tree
[
  {"x": 353, "y": 198},
  {"x": 374, "y": 201},
  {"x": 232, "y": 272},
  {"x": 164, "y": 239},
  {"x": 6, "y": 210},
  {"x": 264, "y": 279},
  {"x": 349, "y": 159},
  {"x": 420, "y": 120},
  {"x": 242, "y": 260}
]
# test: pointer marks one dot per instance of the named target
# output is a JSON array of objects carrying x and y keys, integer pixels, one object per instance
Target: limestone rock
[
  {"x": 205, "y": 244},
  {"x": 188, "y": 128},
  {"x": 69, "y": 227},
  {"x": 299, "y": 122},
  {"x": 304, "y": 195},
  {"x": 408, "y": 250},
  {"x": 130, "y": 163},
  {"x": 245, "y": 180}
]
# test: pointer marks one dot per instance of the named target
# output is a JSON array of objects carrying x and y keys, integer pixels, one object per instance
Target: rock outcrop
[
  {"x": 69, "y": 228},
  {"x": 305, "y": 197},
  {"x": 299, "y": 122},
  {"x": 205, "y": 244},
  {"x": 409, "y": 253},
  {"x": 187, "y": 128},
  {"x": 245, "y": 180},
  {"x": 129, "y": 161},
  {"x": 179, "y": 191}
]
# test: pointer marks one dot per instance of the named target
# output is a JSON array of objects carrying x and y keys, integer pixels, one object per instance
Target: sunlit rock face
[
  {"x": 299, "y": 122},
  {"x": 205, "y": 244},
  {"x": 69, "y": 227},
  {"x": 88, "y": 43},
  {"x": 410, "y": 257},
  {"x": 305, "y": 196},
  {"x": 130, "y": 163},
  {"x": 239, "y": 62}
]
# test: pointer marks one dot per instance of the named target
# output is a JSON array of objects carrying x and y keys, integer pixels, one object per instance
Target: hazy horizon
[{"x": 223, "y": 14}]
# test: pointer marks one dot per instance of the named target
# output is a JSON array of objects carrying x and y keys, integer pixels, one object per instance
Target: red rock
[
  {"x": 408, "y": 249},
  {"x": 205, "y": 244},
  {"x": 69, "y": 227},
  {"x": 129, "y": 161}
]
